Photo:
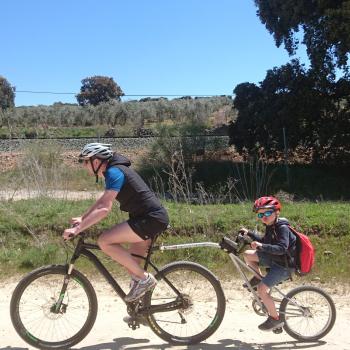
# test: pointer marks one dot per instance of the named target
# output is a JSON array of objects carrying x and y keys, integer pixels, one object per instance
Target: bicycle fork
[{"x": 57, "y": 307}]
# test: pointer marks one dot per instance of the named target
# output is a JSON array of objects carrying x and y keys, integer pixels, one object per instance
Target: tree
[
  {"x": 7, "y": 94},
  {"x": 325, "y": 25},
  {"x": 97, "y": 89},
  {"x": 315, "y": 117}
]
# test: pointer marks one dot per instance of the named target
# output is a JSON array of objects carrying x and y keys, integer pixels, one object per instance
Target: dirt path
[{"x": 237, "y": 331}]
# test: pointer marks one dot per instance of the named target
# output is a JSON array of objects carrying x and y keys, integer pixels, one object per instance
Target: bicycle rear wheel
[
  {"x": 308, "y": 313},
  {"x": 201, "y": 298},
  {"x": 35, "y": 316}
]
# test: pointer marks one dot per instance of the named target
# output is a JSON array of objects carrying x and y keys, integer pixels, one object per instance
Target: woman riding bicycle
[
  {"x": 147, "y": 217},
  {"x": 274, "y": 250}
]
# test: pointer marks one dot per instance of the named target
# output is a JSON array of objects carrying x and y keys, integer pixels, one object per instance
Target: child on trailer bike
[
  {"x": 147, "y": 217},
  {"x": 275, "y": 250}
]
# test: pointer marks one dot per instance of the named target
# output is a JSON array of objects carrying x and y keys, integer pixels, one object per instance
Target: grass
[{"x": 30, "y": 232}]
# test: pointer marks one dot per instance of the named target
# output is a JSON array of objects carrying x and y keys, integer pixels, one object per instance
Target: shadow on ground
[{"x": 144, "y": 344}]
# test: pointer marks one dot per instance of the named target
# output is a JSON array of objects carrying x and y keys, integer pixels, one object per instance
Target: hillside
[{"x": 115, "y": 119}]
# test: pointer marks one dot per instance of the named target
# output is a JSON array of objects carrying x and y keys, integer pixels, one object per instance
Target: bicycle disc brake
[{"x": 187, "y": 304}]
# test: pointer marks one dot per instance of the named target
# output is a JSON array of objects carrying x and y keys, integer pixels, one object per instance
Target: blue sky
[{"x": 182, "y": 47}]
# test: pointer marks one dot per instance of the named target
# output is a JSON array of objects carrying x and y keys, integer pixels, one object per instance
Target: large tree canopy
[
  {"x": 97, "y": 89},
  {"x": 7, "y": 94},
  {"x": 325, "y": 25},
  {"x": 315, "y": 117}
]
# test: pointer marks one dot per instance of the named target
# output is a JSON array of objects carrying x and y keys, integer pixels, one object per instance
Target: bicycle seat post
[{"x": 149, "y": 251}]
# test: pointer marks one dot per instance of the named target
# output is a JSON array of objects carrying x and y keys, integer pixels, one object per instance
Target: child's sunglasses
[{"x": 267, "y": 214}]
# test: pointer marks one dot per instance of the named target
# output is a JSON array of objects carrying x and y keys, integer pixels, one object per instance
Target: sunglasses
[{"x": 266, "y": 214}]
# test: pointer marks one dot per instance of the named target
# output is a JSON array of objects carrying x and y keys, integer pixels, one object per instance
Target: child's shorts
[{"x": 276, "y": 274}]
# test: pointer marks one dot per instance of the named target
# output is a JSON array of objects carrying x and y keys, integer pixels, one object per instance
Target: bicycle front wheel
[
  {"x": 308, "y": 313},
  {"x": 201, "y": 299},
  {"x": 34, "y": 311}
]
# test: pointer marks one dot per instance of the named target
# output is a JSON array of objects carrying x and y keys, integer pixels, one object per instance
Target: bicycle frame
[
  {"x": 239, "y": 264},
  {"x": 83, "y": 248}
]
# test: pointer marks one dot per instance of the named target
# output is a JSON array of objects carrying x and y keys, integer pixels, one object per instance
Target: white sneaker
[{"x": 140, "y": 288}]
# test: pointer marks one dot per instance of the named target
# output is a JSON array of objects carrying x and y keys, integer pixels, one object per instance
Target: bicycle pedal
[
  {"x": 278, "y": 330},
  {"x": 133, "y": 325}
]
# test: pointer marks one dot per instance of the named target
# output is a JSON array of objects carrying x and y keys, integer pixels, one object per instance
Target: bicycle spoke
[
  {"x": 198, "y": 309},
  {"x": 34, "y": 310},
  {"x": 309, "y": 314}
]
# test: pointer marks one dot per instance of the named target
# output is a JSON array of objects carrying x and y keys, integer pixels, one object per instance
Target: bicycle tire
[
  {"x": 317, "y": 298},
  {"x": 185, "y": 276},
  {"x": 33, "y": 288}
]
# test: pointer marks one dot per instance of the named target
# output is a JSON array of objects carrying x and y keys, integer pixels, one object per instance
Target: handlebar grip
[{"x": 228, "y": 245}]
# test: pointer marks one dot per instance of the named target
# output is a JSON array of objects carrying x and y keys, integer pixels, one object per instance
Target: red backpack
[{"x": 305, "y": 253}]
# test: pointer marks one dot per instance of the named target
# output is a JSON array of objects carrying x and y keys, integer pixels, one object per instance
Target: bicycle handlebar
[
  {"x": 71, "y": 236},
  {"x": 235, "y": 246}
]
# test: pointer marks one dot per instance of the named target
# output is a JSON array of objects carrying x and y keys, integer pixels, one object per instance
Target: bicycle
[
  {"x": 300, "y": 309},
  {"x": 308, "y": 312},
  {"x": 55, "y": 306}
]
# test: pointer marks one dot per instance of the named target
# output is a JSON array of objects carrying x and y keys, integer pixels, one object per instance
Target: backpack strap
[{"x": 287, "y": 254}]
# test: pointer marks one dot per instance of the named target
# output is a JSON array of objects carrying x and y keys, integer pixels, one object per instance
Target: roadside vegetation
[
  {"x": 30, "y": 233},
  {"x": 207, "y": 199}
]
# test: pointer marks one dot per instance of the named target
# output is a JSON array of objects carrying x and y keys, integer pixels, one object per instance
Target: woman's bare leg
[
  {"x": 110, "y": 243},
  {"x": 139, "y": 248}
]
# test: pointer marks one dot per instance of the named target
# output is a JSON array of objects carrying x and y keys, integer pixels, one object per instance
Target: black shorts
[{"x": 151, "y": 224}]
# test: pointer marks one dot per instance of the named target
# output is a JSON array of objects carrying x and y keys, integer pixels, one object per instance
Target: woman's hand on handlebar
[
  {"x": 71, "y": 232},
  {"x": 76, "y": 221}
]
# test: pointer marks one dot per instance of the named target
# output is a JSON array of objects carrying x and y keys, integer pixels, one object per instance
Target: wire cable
[{"x": 126, "y": 95}]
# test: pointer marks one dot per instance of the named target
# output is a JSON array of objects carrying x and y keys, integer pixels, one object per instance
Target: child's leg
[
  {"x": 252, "y": 260},
  {"x": 263, "y": 291},
  {"x": 275, "y": 275}
]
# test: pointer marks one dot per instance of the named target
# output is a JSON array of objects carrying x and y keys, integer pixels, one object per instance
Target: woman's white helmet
[{"x": 96, "y": 149}]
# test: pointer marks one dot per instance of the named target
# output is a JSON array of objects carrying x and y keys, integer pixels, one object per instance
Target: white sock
[{"x": 145, "y": 280}]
